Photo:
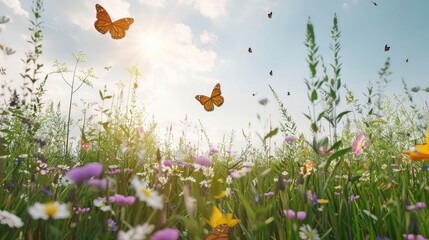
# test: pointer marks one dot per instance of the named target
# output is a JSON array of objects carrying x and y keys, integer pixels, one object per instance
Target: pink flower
[
  {"x": 203, "y": 161},
  {"x": 80, "y": 174},
  {"x": 289, "y": 213},
  {"x": 301, "y": 215},
  {"x": 359, "y": 144},
  {"x": 268, "y": 194},
  {"x": 122, "y": 200},
  {"x": 166, "y": 234},
  {"x": 212, "y": 152}
]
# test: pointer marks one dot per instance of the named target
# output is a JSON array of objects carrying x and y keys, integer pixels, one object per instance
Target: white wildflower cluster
[{"x": 365, "y": 177}]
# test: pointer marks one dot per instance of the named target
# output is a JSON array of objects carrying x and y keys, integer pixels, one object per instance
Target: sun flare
[{"x": 152, "y": 45}]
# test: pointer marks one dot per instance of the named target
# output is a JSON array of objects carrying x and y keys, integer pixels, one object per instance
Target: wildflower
[
  {"x": 307, "y": 168},
  {"x": 85, "y": 146},
  {"x": 301, "y": 215},
  {"x": 79, "y": 210},
  {"x": 42, "y": 168},
  {"x": 203, "y": 161},
  {"x": 113, "y": 170},
  {"x": 167, "y": 163},
  {"x": 100, "y": 183},
  {"x": 212, "y": 151},
  {"x": 10, "y": 219},
  {"x": 122, "y": 200},
  {"x": 422, "y": 152},
  {"x": 359, "y": 144},
  {"x": 290, "y": 138},
  {"x": 101, "y": 203},
  {"x": 166, "y": 234},
  {"x": 324, "y": 152},
  {"x": 289, "y": 213},
  {"x": 268, "y": 194},
  {"x": 139, "y": 232},
  {"x": 306, "y": 232},
  {"x": 80, "y": 174},
  {"x": 240, "y": 173},
  {"x": 413, "y": 237},
  {"x": 112, "y": 225},
  {"x": 144, "y": 193},
  {"x": 53, "y": 210},
  {"x": 217, "y": 218},
  {"x": 46, "y": 191},
  {"x": 417, "y": 206},
  {"x": 353, "y": 197}
]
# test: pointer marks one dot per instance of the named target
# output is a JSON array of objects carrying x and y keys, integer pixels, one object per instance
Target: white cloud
[
  {"x": 208, "y": 8},
  {"x": 345, "y": 5},
  {"x": 153, "y": 3},
  {"x": 208, "y": 37},
  {"x": 15, "y": 5}
]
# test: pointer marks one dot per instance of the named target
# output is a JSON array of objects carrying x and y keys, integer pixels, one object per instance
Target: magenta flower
[
  {"x": 166, "y": 234},
  {"x": 167, "y": 163},
  {"x": 203, "y": 161},
  {"x": 359, "y": 144},
  {"x": 353, "y": 197},
  {"x": 413, "y": 237},
  {"x": 301, "y": 215},
  {"x": 100, "y": 183},
  {"x": 80, "y": 174},
  {"x": 268, "y": 194},
  {"x": 290, "y": 138},
  {"x": 289, "y": 213},
  {"x": 122, "y": 200}
]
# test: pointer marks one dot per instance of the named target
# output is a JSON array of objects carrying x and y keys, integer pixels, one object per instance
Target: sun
[{"x": 151, "y": 44}]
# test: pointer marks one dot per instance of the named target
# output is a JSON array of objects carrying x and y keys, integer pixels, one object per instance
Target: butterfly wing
[
  {"x": 119, "y": 27},
  {"x": 220, "y": 232},
  {"x": 216, "y": 97},
  {"x": 206, "y": 101},
  {"x": 103, "y": 22}
]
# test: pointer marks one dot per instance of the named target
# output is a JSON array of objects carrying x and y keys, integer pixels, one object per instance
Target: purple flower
[
  {"x": 353, "y": 197},
  {"x": 167, "y": 163},
  {"x": 166, "y": 234},
  {"x": 268, "y": 194},
  {"x": 257, "y": 197},
  {"x": 100, "y": 183},
  {"x": 203, "y": 161},
  {"x": 80, "y": 174},
  {"x": 413, "y": 237},
  {"x": 212, "y": 152},
  {"x": 301, "y": 215},
  {"x": 290, "y": 138},
  {"x": 122, "y": 200},
  {"x": 46, "y": 191},
  {"x": 112, "y": 225}
]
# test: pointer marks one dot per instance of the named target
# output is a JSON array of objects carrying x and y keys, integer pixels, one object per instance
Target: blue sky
[{"x": 184, "y": 47}]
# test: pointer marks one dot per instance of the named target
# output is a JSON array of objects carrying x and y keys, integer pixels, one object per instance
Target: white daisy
[
  {"x": 146, "y": 194},
  {"x": 47, "y": 210},
  {"x": 307, "y": 233},
  {"x": 101, "y": 203},
  {"x": 139, "y": 232},
  {"x": 10, "y": 219}
]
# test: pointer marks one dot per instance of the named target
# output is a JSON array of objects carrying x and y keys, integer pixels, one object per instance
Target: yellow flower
[
  {"x": 217, "y": 218},
  {"x": 322, "y": 201},
  {"x": 422, "y": 152},
  {"x": 307, "y": 168}
]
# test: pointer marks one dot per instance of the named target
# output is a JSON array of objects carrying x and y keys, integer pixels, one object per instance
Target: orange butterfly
[
  {"x": 220, "y": 232},
  {"x": 215, "y": 99},
  {"x": 104, "y": 24}
]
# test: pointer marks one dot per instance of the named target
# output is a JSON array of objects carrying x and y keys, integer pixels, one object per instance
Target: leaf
[
  {"x": 335, "y": 146},
  {"x": 337, "y": 154},
  {"x": 271, "y": 134},
  {"x": 342, "y": 114},
  {"x": 313, "y": 96}
]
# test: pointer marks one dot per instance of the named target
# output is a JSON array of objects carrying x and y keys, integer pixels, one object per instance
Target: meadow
[{"x": 362, "y": 178}]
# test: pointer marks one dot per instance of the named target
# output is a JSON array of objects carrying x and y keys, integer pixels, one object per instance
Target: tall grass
[{"x": 343, "y": 195}]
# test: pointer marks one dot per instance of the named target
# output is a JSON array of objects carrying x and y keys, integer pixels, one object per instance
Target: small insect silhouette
[
  {"x": 288, "y": 93},
  {"x": 254, "y": 94},
  {"x": 375, "y": 4},
  {"x": 271, "y": 72},
  {"x": 406, "y": 60},
  {"x": 270, "y": 15},
  {"x": 107, "y": 68},
  {"x": 386, "y": 48},
  {"x": 250, "y": 50}
]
